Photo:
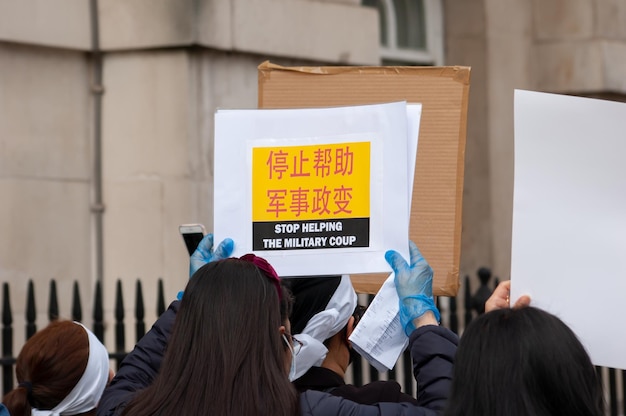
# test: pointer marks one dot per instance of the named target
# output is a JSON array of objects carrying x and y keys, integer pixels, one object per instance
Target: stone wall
[
  {"x": 560, "y": 46},
  {"x": 167, "y": 66}
]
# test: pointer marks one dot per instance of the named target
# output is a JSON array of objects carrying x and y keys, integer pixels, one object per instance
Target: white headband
[
  {"x": 324, "y": 325},
  {"x": 86, "y": 393}
]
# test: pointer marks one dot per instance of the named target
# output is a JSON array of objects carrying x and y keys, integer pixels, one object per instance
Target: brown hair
[{"x": 48, "y": 367}]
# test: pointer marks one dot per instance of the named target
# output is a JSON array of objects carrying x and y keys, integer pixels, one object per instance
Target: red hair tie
[{"x": 267, "y": 270}]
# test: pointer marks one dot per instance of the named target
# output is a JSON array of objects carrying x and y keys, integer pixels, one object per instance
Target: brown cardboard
[{"x": 436, "y": 210}]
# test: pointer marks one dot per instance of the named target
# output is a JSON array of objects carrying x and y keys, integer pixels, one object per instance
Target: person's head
[
  {"x": 322, "y": 320},
  {"x": 63, "y": 368},
  {"x": 226, "y": 354},
  {"x": 522, "y": 362},
  {"x": 340, "y": 346}
]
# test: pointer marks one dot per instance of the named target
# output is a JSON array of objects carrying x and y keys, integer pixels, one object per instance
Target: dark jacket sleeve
[
  {"x": 140, "y": 367},
  {"x": 318, "y": 403},
  {"x": 374, "y": 392},
  {"x": 433, "y": 349}
]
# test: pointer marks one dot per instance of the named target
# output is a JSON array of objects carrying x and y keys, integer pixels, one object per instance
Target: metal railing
[{"x": 359, "y": 372}]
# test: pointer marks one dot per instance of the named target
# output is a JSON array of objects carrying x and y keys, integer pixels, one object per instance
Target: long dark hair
[
  {"x": 226, "y": 355},
  {"x": 48, "y": 367},
  {"x": 523, "y": 362}
]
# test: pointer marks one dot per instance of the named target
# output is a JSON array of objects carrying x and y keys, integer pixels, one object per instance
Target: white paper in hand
[{"x": 379, "y": 337}]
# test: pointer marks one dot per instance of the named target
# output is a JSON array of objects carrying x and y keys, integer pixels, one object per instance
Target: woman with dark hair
[
  {"x": 231, "y": 349},
  {"x": 212, "y": 351},
  {"x": 523, "y": 361},
  {"x": 62, "y": 369}
]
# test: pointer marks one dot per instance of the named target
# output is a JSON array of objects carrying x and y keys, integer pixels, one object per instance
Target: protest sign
[
  {"x": 569, "y": 215},
  {"x": 299, "y": 185}
]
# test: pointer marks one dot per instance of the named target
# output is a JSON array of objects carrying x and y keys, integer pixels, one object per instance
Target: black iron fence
[
  {"x": 7, "y": 360},
  {"x": 359, "y": 373}
]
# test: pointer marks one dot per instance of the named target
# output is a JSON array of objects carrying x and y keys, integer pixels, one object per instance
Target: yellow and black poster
[{"x": 311, "y": 196}]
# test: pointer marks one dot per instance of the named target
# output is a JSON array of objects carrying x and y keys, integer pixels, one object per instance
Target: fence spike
[
  {"x": 160, "y": 298},
  {"x": 31, "y": 310},
  {"x": 53, "y": 302},
  {"x": 7, "y": 315},
  {"x": 623, "y": 373},
  {"x": 98, "y": 313},
  {"x": 391, "y": 374},
  {"x": 374, "y": 375},
  {"x": 407, "y": 366},
  {"x": 120, "y": 339},
  {"x": 600, "y": 375},
  {"x": 468, "y": 302},
  {"x": 612, "y": 392},
  {"x": 119, "y": 302},
  {"x": 357, "y": 371},
  {"x": 453, "y": 318},
  {"x": 140, "y": 326},
  {"x": 77, "y": 309},
  {"x": 7, "y": 341}
]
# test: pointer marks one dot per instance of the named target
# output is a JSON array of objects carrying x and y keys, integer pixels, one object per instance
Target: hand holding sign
[{"x": 414, "y": 284}]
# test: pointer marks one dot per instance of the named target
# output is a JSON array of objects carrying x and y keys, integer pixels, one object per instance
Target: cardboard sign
[{"x": 436, "y": 210}]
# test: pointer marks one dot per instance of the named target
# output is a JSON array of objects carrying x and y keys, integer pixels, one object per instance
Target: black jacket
[
  {"x": 323, "y": 379},
  {"x": 432, "y": 349}
]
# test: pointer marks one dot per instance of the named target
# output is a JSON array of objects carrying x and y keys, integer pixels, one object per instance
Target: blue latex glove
[
  {"x": 414, "y": 285},
  {"x": 204, "y": 254}
]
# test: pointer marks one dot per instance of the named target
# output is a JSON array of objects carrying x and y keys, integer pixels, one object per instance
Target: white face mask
[{"x": 292, "y": 369}]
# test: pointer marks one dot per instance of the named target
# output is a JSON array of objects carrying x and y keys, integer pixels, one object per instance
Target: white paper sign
[
  {"x": 569, "y": 217},
  {"x": 287, "y": 186},
  {"x": 379, "y": 336}
]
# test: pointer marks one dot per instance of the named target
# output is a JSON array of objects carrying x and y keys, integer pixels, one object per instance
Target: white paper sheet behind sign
[
  {"x": 569, "y": 217},
  {"x": 239, "y": 132}
]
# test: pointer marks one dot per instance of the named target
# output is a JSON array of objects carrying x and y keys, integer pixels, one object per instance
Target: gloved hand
[
  {"x": 414, "y": 285},
  {"x": 204, "y": 254}
]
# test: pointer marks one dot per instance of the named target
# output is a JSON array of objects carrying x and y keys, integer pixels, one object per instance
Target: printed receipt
[{"x": 379, "y": 337}]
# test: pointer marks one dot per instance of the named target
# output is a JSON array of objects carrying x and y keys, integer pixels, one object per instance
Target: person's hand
[
  {"x": 499, "y": 299},
  {"x": 414, "y": 284},
  {"x": 204, "y": 254}
]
